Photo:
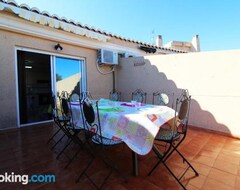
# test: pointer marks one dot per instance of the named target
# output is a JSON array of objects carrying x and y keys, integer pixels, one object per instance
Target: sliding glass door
[
  {"x": 39, "y": 77},
  {"x": 34, "y": 87}
]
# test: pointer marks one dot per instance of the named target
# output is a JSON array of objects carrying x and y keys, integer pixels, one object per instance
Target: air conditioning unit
[{"x": 107, "y": 57}]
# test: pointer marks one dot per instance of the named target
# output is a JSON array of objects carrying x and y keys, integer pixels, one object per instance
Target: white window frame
[{"x": 82, "y": 65}]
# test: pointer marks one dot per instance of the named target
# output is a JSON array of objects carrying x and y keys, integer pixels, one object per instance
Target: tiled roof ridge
[{"x": 64, "y": 19}]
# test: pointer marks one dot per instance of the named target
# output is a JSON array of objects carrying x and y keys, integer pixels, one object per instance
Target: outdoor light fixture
[
  {"x": 58, "y": 47},
  {"x": 148, "y": 49}
]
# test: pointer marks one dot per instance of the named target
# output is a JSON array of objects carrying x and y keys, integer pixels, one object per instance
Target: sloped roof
[{"x": 44, "y": 18}]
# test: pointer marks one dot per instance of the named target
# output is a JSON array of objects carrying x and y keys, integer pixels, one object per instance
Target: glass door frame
[{"x": 82, "y": 66}]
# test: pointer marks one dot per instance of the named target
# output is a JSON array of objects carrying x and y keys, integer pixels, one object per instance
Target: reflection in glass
[{"x": 68, "y": 75}]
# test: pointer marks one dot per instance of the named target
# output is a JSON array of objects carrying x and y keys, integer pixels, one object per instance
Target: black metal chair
[
  {"x": 65, "y": 123},
  {"x": 174, "y": 136},
  {"x": 139, "y": 95},
  {"x": 162, "y": 98},
  {"x": 60, "y": 118},
  {"x": 97, "y": 143},
  {"x": 115, "y": 95},
  {"x": 54, "y": 116}
]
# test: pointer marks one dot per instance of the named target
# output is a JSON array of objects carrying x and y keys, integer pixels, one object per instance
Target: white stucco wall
[{"x": 211, "y": 77}]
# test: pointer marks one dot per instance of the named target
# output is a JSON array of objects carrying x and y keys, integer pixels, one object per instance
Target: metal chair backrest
[
  {"x": 183, "y": 109},
  {"x": 183, "y": 112},
  {"x": 88, "y": 112},
  {"x": 90, "y": 118},
  {"x": 139, "y": 95},
  {"x": 115, "y": 95},
  {"x": 160, "y": 98},
  {"x": 65, "y": 107}
]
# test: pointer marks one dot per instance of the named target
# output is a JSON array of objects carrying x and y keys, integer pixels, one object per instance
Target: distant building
[{"x": 193, "y": 46}]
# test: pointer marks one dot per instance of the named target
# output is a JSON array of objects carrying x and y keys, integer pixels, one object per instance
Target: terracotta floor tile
[
  {"x": 234, "y": 141},
  {"x": 217, "y": 138},
  {"x": 204, "y": 160},
  {"x": 116, "y": 186},
  {"x": 162, "y": 178},
  {"x": 231, "y": 146},
  {"x": 223, "y": 177},
  {"x": 215, "y": 157},
  {"x": 190, "y": 152},
  {"x": 229, "y": 156},
  {"x": 190, "y": 187},
  {"x": 202, "y": 169},
  {"x": 237, "y": 183},
  {"x": 208, "y": 153},
  {"x": 196, "y": 181},
  {"x": 227, "y": 167},
  {"x": 196, "y": 143},
  {"x": 212, "y": 147},
  {"x": 212, "y": 184},
  {"x": 177, "y": 167},
  {"x": 234, "y": 154},
  {"x": 145, "y": 184}
]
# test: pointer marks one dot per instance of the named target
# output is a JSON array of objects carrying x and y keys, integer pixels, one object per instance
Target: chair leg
[
  {"x": 160, "y": 155},
  {"x": 185, "y": 160},
  {"x": 75, "y": 155},
  {"x": 105, "y": 180},
  {"x": 115, "y": 168},
  {"x": 177, "y": 179},
  {"x": 60, "y": 153},
  {"x": 49, "y": 140},
  {"x": 162, "y": 160},
  {"x": 78, "y": 140},
  {"x": 111, "y": 164},
  {"x": 58, "y": 141},
  {"x": 85, "y": 170},
  {"x": 165, "y": 156},
  {"x": 104, "y": 157}
]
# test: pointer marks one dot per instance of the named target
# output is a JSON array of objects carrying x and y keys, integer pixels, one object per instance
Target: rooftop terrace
[{"x": 216, "y": 157}]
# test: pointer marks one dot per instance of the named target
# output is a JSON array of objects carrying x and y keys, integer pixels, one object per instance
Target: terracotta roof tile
[
  {"x": 64, "y": 19},
  {"x": 25, "y": 6},
  {"x": 55, "y": 16},
  {"x": 36, "y": 10},
  {"x": 72, "y": 22},
  {"x": 11, "y": 2}
]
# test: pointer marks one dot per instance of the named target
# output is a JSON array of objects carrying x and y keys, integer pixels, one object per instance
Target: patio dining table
[{"x": 135, "y": 124}]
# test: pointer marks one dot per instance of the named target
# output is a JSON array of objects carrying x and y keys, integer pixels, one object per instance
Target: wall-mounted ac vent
[{"x": 107, "y": 57}]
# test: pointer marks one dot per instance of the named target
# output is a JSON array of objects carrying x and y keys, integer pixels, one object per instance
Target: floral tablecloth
[{"x": 136, "y": 125}]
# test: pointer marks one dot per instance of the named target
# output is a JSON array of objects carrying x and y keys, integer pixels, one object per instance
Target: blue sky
[
  {"x": 73, "y": 67},
  {"x": 217, "y": 22}
]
